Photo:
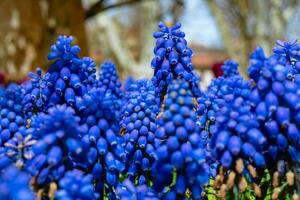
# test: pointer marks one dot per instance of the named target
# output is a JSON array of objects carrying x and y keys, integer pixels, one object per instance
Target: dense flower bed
[{"x": 69, "y": 134}]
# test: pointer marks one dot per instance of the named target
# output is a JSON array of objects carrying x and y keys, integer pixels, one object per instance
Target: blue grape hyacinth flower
[
  {"x": 17, "y": 150},
  {"x": 289, "y": 49},
  {"x": 172, "y": 59},
  {"x": 109, "y": 80},
  {"x": 128, "y": 191},
  {"x": 229, "y": 127},
  {"x": 180, "y": 151},
  {"x": 14, "y": 185},
  {"x": 100, "y": 130},
  {"x": 275, "y": 101},
  {"x": 59, "y": 145},
  {"x": 12, "y": 117},
  {"x": 138, "y": 125},
  {"x": 76, "y": 185},
  {"x": 68, "y": 78},
  {"x": 36, "y": 93}
]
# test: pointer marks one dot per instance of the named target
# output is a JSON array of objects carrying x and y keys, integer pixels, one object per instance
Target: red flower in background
[
  {"x": 217, "y": 69},
  {"x": 2, "y": 77}
]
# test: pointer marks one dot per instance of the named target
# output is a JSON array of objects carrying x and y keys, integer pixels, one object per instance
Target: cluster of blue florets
[
  {"x": 12, "y": 119},
  {"x": 233, "y": 127},
  {"x": 15, "y": 184},
  {"x": 180, "y": 149},
  {"x": 231, "y": 83},
  {"x": 173, "y": 59},
  {"x": 127, "y": 191},
  {"x": 58, "y": 146},
  {"x": 275, "y": 101},
  {"x": 68, "y": 134},
  {"x": 76, "y": 185},
  {"x": 138, "y": 124},
  {"x": 67, "y": 80}
]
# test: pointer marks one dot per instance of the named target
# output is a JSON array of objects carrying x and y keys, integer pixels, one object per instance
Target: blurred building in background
[{"x": 121, "y": 30}]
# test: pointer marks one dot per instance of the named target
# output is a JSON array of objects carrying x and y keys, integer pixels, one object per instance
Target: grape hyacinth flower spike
[
  {"x": 15, "y": 184},
  {"x": 172, "y": 59},
  {"x": 110, "y": 86},
  {"x": 76, "y": 185},
  {"x": 180, "y": 152},
  {"x": 59, "y": 145},
  {"x": 127, "y": 191},
  {"x": 36, "y": 92},
  {"x": 275, "y": 101},
  {"x": 69, "y": 77},
  {"x": 17, "y": 150},
  {"x": 99, "y": 127},
  {"x": 225, "y": 119},
  {"x": 138, "y": 128},
  {"x": 12, "y": 117}
]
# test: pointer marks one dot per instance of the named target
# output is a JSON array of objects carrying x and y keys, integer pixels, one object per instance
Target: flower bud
[
  {"x": 275, "y": 180},
  {"x": 231, "y": 180},
  {"x": 226, "y": 159},
  {"x": 257, "y": 190},
  {"x": 177, "y": 159},
  {"x": 290, "y": 177},
  {"x": 234, "y": 145},
  {"x": 173, "y": 57},
  {"x": 102, "y": 146},
  {"x": 70, "y": 96},
  {"x": 295, "y": 196},
  {"x": 54, "y": 156},
  {"x": 243, "y": 184},
  {"x": 75, "y": 81},
  {"x": 60, "y": 86},
  {"x": 169, "y": 44},
  {"x": 65, "y": 73},
  {"x": 276, "y": 193},
  {"x": 239, "y": 167},
  {"x": 283, "y": 116},
  {"x": 252, "y": 171}
]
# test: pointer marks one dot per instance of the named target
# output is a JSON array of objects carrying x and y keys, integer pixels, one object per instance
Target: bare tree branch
[{"x": 100, "y": 7}]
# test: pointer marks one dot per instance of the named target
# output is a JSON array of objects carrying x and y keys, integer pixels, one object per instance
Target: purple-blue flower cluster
[
  {"x": 172, "y": 59},
  {"x": 110, "y": 86},
  {"x": 58, "y": 146},
  {"x": 127, "y": 191},
  {"x": 17, "y": 150},
  {"x": 76, "y": 185},
  {"x": 138, "y": 124},
  {"x": 218, "y": 97},
  {"x": 67, "y": 134},
  {"x": 100, "y": 123},
  {"x": 12, "y": 118},
  {"x": 235, "y": 126},
  {"x": 275, "y": 100},
  {"x": 68, "y": 78},
  {"x": 180, "y": 150},
  {"x": 36, "y": 92},
  {"x": 14, "y": 185}
]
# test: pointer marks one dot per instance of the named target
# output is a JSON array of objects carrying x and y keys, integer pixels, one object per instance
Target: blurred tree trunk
[
  {"x": 28, "y": 27},
  {"x": 245, "y": 24}
]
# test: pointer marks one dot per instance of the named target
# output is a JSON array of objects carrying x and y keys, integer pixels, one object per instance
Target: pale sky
[{"x": 199, "y": 25}]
